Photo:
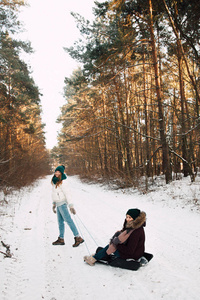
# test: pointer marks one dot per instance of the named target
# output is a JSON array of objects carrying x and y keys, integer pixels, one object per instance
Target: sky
[{"x": 49, "y": 27}]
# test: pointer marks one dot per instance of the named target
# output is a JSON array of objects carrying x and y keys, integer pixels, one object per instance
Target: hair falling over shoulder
[
  {"x": 59, "y": 180},
  {"x": 124, "y": 225}
]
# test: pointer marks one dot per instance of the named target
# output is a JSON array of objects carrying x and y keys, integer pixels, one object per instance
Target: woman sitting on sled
[{"x": 129, "y": 243}]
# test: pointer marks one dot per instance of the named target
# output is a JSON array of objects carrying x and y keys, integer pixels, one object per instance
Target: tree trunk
[
  {"x": 146, "y": 120},
  {"x": 165, "y": 148},
  {"x": 186, "y": 171}
]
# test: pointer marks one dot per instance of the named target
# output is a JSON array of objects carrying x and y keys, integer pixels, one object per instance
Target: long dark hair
[
  {"x": 127, "y": 228},
  {"x": 124, "y": 225}
]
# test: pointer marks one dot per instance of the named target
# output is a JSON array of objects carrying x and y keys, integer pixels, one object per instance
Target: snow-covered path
[{"x": 39, "y": 270}]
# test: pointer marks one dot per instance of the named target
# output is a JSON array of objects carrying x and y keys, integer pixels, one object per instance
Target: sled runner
[{"x": 129, "y": 264}]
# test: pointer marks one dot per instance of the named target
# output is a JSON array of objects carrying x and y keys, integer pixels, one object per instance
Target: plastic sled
[{"x": 128, "y": 264}]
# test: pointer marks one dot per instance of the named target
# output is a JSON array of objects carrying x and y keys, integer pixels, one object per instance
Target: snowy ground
[{"x": 38, "y": 270}]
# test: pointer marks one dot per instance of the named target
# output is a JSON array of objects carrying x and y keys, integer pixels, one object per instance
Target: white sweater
[{"x": 60, "y": 194}]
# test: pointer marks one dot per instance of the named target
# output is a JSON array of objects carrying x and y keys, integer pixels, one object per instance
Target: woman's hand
[
  {"x": 72, "y": 210},
  {"x": 54, "y": 208}
]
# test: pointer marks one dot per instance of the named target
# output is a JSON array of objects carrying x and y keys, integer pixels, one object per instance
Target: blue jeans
[
  {"x": 63, "y": 215},
  {"x": 102, "y": 253}
]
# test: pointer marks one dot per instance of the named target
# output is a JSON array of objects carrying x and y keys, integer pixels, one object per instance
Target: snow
[{"x": 38, "y": 270}]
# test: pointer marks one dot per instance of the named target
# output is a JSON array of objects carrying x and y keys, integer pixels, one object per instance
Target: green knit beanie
[
  {"x": 133, "y": 212},
  {"x": 61, "y": 169}
]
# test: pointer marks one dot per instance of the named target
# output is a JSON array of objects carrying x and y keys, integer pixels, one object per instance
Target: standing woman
[{"x": 60, "y": 206}]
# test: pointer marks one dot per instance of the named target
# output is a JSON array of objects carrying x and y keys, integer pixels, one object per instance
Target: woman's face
[
  {"x": 57, "y": 173},
  {"x": 129, "y": 218}
]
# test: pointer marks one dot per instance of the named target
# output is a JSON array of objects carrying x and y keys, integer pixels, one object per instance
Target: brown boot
[
  {"x": 78, "y": 241},
  {"x": 59, "y": 242}
]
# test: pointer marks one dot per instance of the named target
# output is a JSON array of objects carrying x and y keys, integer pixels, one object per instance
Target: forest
[
  {"x": 132, "y": 107},
  {"x": 23, "y": 155}
]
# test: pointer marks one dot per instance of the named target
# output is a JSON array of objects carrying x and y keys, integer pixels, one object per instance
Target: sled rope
[
  {"x": 86, "y": 230},
  {"x": 81, "y": 234}
]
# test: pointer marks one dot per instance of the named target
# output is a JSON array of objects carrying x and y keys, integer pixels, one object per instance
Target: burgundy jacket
[{"x": 134, "y": 246}]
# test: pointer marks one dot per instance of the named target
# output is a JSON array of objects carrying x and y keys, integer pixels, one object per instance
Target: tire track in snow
[{"x": 22, "y": 276}]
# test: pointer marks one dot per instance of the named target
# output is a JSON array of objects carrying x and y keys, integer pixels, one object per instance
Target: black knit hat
[{"x": 133, "y": 212}]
